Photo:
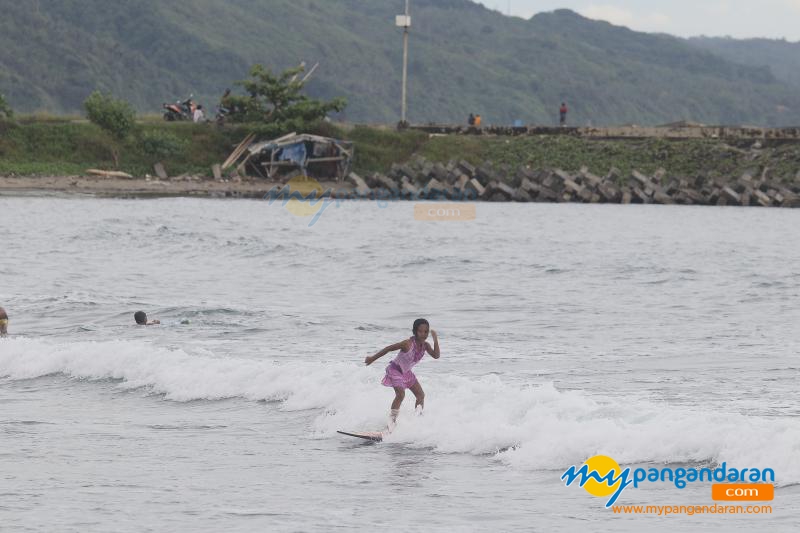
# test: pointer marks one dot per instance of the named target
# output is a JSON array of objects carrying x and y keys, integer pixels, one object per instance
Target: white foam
[
  {"x": 178, "y": 375},
  {"x": 532, "y": 427}
]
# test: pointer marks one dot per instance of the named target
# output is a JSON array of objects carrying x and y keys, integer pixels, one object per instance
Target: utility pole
[{"x": 404, "y": 21}]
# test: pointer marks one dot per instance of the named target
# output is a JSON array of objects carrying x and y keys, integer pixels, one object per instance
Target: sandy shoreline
[
  {"x": 144, "y": 187},
  {"x": 424, "y": 181}
]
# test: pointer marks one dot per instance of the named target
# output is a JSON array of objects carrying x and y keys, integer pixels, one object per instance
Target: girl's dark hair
[
  {"x": 140, "y": 317},
  {"x": 417, "y": 323}
]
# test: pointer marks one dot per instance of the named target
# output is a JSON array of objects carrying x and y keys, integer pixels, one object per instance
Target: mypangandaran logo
[
  {"x": 601, "y": 476},
  {"x": 304, "y": 196}
]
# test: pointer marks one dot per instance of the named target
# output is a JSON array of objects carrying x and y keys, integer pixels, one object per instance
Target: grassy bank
[
  {"x": 52, "y": 146},
  {"x": 68, "y": 146}
]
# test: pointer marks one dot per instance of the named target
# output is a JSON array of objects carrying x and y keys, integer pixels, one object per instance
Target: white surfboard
[{"x": 374, "y": 436}]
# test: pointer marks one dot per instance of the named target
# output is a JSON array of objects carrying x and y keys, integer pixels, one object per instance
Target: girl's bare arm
[
  {"x": 393, "y": 348},
  {"x": 433, "y": 352}
]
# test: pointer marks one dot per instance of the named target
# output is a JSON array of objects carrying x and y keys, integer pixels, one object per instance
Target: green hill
[
  {"x": 464, "y": 58},
  {"x": 783, "y": 57}
]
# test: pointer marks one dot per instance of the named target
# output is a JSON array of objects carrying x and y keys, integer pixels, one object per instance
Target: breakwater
[{"x": 421, "y": 179}]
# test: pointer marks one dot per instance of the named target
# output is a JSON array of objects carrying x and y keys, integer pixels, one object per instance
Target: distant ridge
[{"x": 783, "y": 57}]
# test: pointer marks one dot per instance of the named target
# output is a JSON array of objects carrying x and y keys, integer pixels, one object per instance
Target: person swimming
[
  {"x": 399, "y": 375},
  {"x": 3, "y": 322},
  {"x": 141, "y": 319}
]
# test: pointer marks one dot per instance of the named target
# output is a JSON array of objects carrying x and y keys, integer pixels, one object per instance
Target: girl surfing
[{"x": 399, "y": 375}]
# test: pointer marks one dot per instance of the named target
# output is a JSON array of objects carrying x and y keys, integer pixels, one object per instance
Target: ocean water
[{"x": 659, "y": 336}]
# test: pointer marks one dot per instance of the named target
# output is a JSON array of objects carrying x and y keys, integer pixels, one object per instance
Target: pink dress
[{"x": 398, "y": 373}]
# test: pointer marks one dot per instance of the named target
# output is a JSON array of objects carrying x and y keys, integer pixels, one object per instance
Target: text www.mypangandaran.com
[{"x": 665, "y": 510}]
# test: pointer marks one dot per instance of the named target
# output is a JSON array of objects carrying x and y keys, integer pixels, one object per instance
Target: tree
[
  {"x": 277, "y": 99},
  {"x": 5, "y": 109},
  {"x": 115, "y": 117}
]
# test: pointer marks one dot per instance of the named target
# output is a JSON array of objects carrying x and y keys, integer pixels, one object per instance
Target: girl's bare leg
[
  {"x": 399, "y": 394},
  {"x": 420, "y": 395}
]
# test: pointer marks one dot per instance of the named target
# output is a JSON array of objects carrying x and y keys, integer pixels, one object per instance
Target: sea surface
[{"x": 660, "y": 336}]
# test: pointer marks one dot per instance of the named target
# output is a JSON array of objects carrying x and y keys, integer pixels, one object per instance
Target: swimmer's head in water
[
  {"x": 3, "y": 322},
  {"x": 140, "y": 317}
]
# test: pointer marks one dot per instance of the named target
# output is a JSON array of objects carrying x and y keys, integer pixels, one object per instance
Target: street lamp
[{"x": 404, "y": 21}]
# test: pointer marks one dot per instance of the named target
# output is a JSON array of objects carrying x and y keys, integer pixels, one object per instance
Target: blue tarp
[{"x": 295, "y": 153}]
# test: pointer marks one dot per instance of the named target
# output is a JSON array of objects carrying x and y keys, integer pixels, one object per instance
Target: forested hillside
[{"x": 464, "y": 58}]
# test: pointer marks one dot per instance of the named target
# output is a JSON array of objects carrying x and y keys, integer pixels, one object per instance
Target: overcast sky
[{"x": 737, "y": 18}]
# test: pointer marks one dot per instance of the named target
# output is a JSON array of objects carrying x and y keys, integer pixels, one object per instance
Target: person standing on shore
[
  {"x": 399, "y": 375},
  {"x": 562, "y": 112},
  {"x": 3, "y": 322},
  {"x": 199, "y": 115},
  {"x": 225, "y": 104}
]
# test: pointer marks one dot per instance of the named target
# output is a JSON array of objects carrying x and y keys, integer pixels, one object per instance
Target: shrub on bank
[
  {"x": 115, "y": 117},
  {"x": 162, "y": 144},
  {"x": 5, "y": 110}
]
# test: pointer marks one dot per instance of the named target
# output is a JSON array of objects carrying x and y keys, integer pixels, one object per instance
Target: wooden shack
[{"x": 314, "y": 156}]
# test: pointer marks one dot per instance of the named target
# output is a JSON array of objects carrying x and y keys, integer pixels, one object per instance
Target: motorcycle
[{"x": 180, "y": 110}]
